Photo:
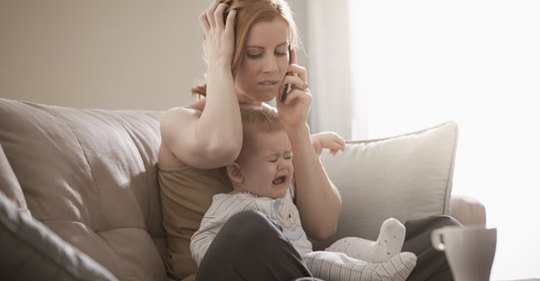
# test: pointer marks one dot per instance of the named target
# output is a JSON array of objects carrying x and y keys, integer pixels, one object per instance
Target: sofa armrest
[{"x": 467, "y": 210}]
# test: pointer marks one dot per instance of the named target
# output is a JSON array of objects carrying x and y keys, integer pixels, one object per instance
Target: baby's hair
[{"x": 258, "y": 120}]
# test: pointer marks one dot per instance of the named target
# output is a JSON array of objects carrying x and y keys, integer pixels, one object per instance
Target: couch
[{"x": 79, "y": 196}]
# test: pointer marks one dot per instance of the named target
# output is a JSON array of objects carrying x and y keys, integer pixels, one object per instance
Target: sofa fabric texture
[{"x": 90, "y": 176}]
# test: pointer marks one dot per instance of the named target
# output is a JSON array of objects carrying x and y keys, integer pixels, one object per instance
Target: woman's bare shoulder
[
  {"x": 181, "y": 115},
  {"x": 193, "y": 109},
  {"x": 172, "y": 119}
]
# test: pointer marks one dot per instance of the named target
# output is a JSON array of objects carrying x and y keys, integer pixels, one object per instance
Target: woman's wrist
[
  {"x": 219, "y": 77},
  {"x": 219, "y": 65},
  {"x": 295, "y": 132}
]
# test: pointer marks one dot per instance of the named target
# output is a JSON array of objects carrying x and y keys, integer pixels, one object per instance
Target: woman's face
[{"x": 264, "y": 62}]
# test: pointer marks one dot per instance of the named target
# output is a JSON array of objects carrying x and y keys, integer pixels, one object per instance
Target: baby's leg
[
  {"x": 387, "y": 245},
  {"x": 339, "y": 266}
]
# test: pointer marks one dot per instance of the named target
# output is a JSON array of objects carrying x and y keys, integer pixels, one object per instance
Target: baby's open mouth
[{"x": 279, "y": 180}]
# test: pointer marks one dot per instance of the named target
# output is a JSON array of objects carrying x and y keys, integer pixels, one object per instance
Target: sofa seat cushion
[
  {"x": 90, "y": 176},
  {"x": 9, "y": 184},
  {"x": 30, "y": 251},
  {"x": 406, "y": 177}
]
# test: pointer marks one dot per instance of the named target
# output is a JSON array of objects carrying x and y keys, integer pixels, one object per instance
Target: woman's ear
[{"x": 234, "y": 173}]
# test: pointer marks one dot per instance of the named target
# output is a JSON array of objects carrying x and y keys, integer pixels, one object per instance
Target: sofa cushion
[
  {"x": 28, "y": 244},
  {"x": 405, "y": 177},
  {"x": 90, "y": 176},
  {"x": 9, "y": 184}
]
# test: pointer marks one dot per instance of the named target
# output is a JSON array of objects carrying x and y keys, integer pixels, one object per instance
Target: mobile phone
[{"x": 286, "y": 87}]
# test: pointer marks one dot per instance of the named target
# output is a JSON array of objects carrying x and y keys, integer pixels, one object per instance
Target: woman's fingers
[
  {"x": 210, "y": 13},
  {"x": 206, "y": 18},
  {"x": 297, "y": 82},
  {"x": 229, "y": 26},
  {"x": 293, "y": 58},
  {"x": 213, "y": 17},
  {"x": 295, "y": 68},
  {"x": 204, "y": 22},
  {"x": 297, "y": 95},
  {"x": 218, "y": 15}
]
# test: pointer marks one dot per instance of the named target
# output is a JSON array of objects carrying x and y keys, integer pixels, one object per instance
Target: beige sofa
[{"x": 80, "y": 198}]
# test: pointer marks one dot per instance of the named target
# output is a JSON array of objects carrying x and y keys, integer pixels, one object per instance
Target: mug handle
[{"x": 436, "y": 239}]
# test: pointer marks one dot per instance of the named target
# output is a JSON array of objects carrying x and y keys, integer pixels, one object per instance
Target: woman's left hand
[{"x": 294, "y": 110}]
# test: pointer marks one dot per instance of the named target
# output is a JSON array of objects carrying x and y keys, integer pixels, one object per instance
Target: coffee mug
[{"x": 469, "y": 250}]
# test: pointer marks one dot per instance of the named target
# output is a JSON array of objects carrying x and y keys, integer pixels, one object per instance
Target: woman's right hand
[
  {"x": 218, "y": 44},
  {"x": 294, "y": 110}
]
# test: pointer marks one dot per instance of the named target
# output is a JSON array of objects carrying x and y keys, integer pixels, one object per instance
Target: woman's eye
[
  {"x": 280, "y": 54},
  {"x": 287, "y": 156},
  {"x": 273, "y": 160},
  {"x": 254, "y": 55}
]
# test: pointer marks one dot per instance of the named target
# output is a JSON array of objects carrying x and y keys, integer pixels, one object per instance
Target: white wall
[
  {"x": 100, "y": 53},
  {"x": 109, "y": 54},
  {"x": 117, "y": 54},
  {"x": 477, "y": 62}
]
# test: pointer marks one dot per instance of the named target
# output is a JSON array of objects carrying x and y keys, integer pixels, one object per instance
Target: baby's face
[{"x": 268, "y": 168}]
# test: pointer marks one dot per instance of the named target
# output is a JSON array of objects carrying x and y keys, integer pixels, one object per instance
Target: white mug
[{"x": 469, "y": 250}]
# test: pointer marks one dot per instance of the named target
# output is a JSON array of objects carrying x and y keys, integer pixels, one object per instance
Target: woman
[
  {"x": 246, "y": 50},
  {"x": 207, "y": 134}
]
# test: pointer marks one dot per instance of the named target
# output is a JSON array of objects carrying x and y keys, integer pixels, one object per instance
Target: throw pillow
[{"x": 405, "y": 177}]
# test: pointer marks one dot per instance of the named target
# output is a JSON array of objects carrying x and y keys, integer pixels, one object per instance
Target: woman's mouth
[{"x": 269, "y": 84}]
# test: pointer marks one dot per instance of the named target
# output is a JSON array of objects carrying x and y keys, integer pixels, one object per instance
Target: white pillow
[{"x": 405, "y": 177}]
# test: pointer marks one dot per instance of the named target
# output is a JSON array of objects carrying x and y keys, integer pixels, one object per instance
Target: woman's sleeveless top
[{"x": 186, "y": 194}]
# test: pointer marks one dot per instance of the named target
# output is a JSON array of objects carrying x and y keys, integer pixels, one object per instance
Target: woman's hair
[
  {"x": 248, "y": 13},
  {"x": 258, "y": 120}
]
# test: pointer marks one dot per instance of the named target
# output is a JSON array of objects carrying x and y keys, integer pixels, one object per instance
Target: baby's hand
[{"x": 329, "y": 140}]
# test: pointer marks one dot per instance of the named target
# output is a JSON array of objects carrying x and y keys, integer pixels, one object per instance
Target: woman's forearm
[
  {"x": 218, "y": 130},
  {"x": 220, "y": 123},
  {"x": 317, "y": 199}
]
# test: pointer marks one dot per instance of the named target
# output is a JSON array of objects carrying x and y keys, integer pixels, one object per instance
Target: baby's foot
[
  {"x": 387, "y": 245},
  {"x": 339, "y": 266},
  {"x": 390, "y": 240}
]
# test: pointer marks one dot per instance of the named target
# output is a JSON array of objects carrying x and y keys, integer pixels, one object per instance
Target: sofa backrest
[{"x": 90, "y": 176}]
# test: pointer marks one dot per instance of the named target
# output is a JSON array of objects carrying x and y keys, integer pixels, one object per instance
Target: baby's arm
[
  {"x": 329, "y": 140},
  {"x": 214, "y": 219},
  {"x": 202, "y": 238}
]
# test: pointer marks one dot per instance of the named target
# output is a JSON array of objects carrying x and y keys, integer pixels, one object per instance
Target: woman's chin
[
  {"x": 267, "y": 96},
  {"x": 257, "y": 95},
  {"x": 264, "y": 94},
  {"x": 256, "y": 99}
]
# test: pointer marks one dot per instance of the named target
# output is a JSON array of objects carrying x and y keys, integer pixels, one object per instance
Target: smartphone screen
[{"x": 286, "y": 87}]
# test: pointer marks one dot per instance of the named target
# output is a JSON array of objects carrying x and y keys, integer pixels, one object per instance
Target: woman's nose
[{"x": 270, "y": 64}]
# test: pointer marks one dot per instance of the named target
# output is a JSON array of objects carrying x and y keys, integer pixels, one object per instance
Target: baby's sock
[
  {"x": 338, "y": 266},
  {"x": 387, "y": 245}
]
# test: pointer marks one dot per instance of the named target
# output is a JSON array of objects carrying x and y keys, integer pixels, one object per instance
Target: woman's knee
[
  {"x": 248, "y": 225},
  {"x": 253, "y": 246},
  {"x": 424, "y": 226},
  {"x": 446, "y": 221}
]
